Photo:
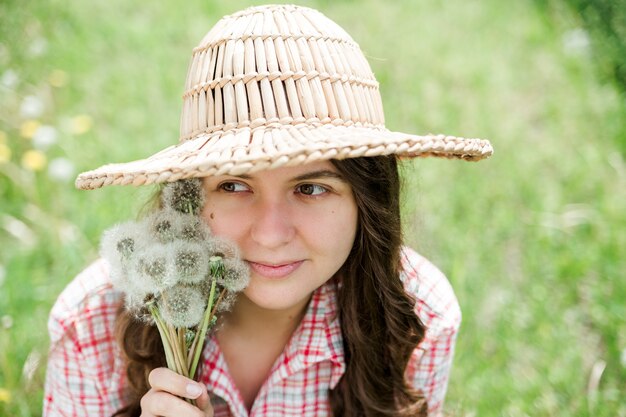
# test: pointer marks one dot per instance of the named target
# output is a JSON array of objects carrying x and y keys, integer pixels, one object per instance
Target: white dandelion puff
[
  {"x": 190, "y": 262},
  {"x": 185, "y": 196},
  {"x": 192, "y": 228},
  {"x": 153, "y": 269},
  {"x": 168, "y": 225},
  {"x": 182, "y": 306},
  {"x": 136, "y": 304},
  {"x": 224, "y": 248},
  {"x": 161, "y": 225},
  {"x": 236, "y": 275},
  {"x": 117, "y": 246}
]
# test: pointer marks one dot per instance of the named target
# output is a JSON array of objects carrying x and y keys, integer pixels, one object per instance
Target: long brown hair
[{"x": 378, "y": 321}]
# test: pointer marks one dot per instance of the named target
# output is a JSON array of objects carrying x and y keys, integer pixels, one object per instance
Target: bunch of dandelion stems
[{"x": 181, "y": 356}]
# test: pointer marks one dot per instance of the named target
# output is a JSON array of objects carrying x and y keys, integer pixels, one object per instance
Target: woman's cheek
[{"x": 224, "y": 222}]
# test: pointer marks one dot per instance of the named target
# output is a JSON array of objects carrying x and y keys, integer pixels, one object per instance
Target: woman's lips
[{"x": 274, "y": 271}]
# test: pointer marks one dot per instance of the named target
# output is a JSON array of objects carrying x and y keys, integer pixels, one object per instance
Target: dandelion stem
[
  {"x": 217, "y": 302},
  {"x": 209, "y": 319},
  {"x": 169, "y": 357},
  {"x": 206, "y": 319},
  {"x": 180, "y": 366},
  {"x": 183, "y": 346}
]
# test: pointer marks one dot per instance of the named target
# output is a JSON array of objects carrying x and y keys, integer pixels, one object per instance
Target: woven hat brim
[{"x": 246, "y": 150}]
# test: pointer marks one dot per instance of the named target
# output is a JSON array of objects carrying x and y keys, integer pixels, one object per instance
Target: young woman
[{"x": 283, "y": 122}]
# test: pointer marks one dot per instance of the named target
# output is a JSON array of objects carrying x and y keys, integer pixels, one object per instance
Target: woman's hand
[{"x": 166, "y": 397}]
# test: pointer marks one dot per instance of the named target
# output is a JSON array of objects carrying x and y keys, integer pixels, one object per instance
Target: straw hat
[{"x": 275, "y": 86}]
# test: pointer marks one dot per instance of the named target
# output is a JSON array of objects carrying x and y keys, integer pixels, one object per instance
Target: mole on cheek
[{"x": 212, "y": 216}]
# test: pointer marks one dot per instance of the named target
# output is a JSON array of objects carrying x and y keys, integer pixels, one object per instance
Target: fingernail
[{"x": 193, "y": 390}]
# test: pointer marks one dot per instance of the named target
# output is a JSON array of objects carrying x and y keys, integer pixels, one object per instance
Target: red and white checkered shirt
[{"x": 86, "y": 375}]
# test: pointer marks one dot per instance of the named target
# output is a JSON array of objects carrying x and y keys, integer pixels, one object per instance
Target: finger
[
  {"x": 164, "y": 404},
  {"x": 164, "y": 379},
  {"x": 203, "y": 402}
]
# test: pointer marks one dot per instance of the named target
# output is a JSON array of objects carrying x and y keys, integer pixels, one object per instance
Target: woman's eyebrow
[{"x": 323, "y": 173}]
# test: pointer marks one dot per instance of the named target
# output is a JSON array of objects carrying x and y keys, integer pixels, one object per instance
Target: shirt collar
[{"x": 318, "y": 338}]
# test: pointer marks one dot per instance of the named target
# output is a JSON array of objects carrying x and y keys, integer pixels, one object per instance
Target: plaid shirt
[{"x": 86, "y": 375}]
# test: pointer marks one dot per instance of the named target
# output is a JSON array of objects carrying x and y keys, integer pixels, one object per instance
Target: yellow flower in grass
[
  {"x": 5, "y": 395},
  {"x": 28, "y": 128},
  {"x": 57, "y": 78},
  {"x": 34, "y": 160},
  {"x": 81, "y": 124},
  {"x": 5, "y": 153}
]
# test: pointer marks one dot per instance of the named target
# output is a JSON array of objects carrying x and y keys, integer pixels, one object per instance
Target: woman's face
[{"x": 295, "y": 227}]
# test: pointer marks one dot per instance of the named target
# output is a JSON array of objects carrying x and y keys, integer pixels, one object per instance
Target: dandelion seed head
[
  {"x": 153, "y": 269},
  {"x": 163, "y": 230},
  {"x": 133, "y": 302},
  {"x": 125, "y": 246},
  {"x": 119, "y": 277},
  {"x": 120, "y": 241},
  {"x": 192, "y": 228},
  {"x": 161, "y": 225},
  {"x": 190, "y": 261},
  {"x": 219, "y": 246},
  {"x": 136, "y": 304},
  {"x": 187, "y": 262},
  {"x": 168, "y": 225},
  {"x": 236, "y": 275},
  {"x": 182, "y": 306},
  {"x": 184, "y": 196}
]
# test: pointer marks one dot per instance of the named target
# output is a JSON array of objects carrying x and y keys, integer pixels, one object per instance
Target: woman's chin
[{"x": 275, "y": 299}]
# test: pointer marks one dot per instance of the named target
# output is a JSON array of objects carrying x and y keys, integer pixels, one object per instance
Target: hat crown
[{"x": 278, "y": 65}]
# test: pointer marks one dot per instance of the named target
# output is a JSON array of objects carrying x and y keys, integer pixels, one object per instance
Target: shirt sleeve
[
  {"x": 437, "y": 307},
  {"x": 82, "y": 344}
]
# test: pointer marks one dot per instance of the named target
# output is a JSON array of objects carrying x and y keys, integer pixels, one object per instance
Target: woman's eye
[
  {"x": 311, "y": 189},
  {"x": 232, "y": 187}
]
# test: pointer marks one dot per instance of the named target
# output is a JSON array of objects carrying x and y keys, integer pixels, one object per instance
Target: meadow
[{"x": 533, "y": 240}]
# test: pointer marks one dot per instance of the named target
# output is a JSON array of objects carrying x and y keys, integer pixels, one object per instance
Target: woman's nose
[{"x": 273, "y": 224}]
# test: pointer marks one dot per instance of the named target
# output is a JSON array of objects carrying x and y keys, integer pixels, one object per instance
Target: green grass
[{"x": 533, "y": 240}]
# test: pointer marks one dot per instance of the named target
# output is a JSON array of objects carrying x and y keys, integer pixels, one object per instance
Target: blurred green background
[{"x": 533, "y": 239}]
